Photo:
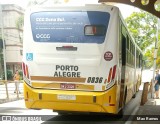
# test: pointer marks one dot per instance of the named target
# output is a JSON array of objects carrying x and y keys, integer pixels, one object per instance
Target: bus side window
[
  {"x": 133, "y": 52},
  {"x": 137, "y": 57},
  {"x": 140, "y": 60},
  {"x": 127, "y": 50},
  {"x": 123, "y": 50}
]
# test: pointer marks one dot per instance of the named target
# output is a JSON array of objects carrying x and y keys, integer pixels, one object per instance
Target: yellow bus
[{"x": 79, "y": 59}]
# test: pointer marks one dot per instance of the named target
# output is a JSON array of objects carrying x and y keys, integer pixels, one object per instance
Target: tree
[
  {"x": 1, "y": 57},
  {"x": 19, "y": 26},
  {"x": 143, "y": 27},
  {"x": 42, "y": 2},
  {"x": 20, "y": 22}
]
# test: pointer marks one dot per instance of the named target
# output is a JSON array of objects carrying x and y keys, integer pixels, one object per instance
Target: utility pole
[
  {"x": 4, "y": 47},
  {"x": 155, "y": 57}
]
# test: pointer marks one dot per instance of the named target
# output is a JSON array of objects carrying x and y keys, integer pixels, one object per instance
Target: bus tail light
[
  {"x": 27, "y": 73},
  {"x": 109, "y": 76},
  {"x": 109, "y": 99},
  {"x": 25, "y": 70},
  {"x": 114, "y": 72}
]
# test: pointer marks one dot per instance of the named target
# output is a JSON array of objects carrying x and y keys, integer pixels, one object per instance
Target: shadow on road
[
  {"x": 11, "y": 110},
  {"x": 96, "y": 118}
]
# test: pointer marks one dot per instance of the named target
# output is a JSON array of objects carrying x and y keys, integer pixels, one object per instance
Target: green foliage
[
  {"x": 21, "y": 75},
  {"x": 41, "y": 2},
  {"x": 157, "y": 6},
  {"x": 143, "y": 28},
  {"x": 9, "y": 75},
  {"x": 148, "y": 57},
  {"x": 19, "y": 25},
  {"x": 1, "y": 64},
  {"x": 20, "y": 22}
]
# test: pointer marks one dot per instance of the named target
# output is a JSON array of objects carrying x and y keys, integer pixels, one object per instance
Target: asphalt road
[
  {"x": 129, "y": 110},
  {"x": 49, "y": 117}
]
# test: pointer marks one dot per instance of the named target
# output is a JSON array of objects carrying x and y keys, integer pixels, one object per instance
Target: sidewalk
[
  {"x": 150, "y": 109},
  {"x": 12, "y": 95},
  {"x": 149, "y": 113}
]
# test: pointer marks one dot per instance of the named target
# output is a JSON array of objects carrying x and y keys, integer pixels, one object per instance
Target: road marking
[{"x": 129, "y": 121}]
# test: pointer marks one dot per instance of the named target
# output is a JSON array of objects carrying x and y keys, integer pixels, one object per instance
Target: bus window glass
[
  {"x": 69, "y": 27},
  {"x": 98, "y": 30},
  {"x": 128, "y": 42}
]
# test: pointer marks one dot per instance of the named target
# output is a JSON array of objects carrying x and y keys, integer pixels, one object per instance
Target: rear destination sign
[
  {"x": 67, "y": 27},
  {"x": 67, "y": 71}
]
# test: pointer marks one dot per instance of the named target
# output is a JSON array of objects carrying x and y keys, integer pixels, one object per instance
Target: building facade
[{"x": 13, "y": 30}]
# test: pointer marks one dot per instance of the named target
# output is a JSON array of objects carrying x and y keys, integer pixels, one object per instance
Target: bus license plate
[
  {"x": 66, "y": 97},
  {"x": 67, "y": 86}
]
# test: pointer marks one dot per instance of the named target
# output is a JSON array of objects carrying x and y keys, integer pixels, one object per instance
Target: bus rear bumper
[{"x": 61, "y": 100}]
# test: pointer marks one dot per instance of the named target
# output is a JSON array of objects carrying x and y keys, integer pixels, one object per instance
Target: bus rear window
[
  {"x": 69, "y": 27},
  {"x": 95, "y": 30}
]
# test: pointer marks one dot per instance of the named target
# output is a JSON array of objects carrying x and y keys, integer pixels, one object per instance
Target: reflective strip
[
  {"x": 109, "y": 99},
  {"x": 61, "y": 79},
  {"x": 45, "y": 85},
  {"x": 111, "y": 104},
  {"x": 58, "y": 86}
]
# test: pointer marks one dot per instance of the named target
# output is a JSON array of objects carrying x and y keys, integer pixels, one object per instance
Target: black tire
[
  {"x": 135, "y": 89},
  {"x": 121, "y": 112},
  {"x": 134, "y": 96},
  {"x": 125, "y": 96}
]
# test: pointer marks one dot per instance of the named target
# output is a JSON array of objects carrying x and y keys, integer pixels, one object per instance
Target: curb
[{"x": 10, "y": 100}]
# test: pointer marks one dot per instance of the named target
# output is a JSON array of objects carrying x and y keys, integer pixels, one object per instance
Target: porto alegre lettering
[{"x": 66, "y": 71}]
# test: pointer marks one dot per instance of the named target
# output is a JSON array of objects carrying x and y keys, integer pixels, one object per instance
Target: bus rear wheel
[{"x": 121, "y": 112}]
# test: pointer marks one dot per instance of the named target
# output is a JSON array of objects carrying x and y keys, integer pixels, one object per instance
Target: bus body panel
[
  {"x": 74, "y": 76},
  {"x": 83, "y": 101},
  {"x": 88, "y": 60}
]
